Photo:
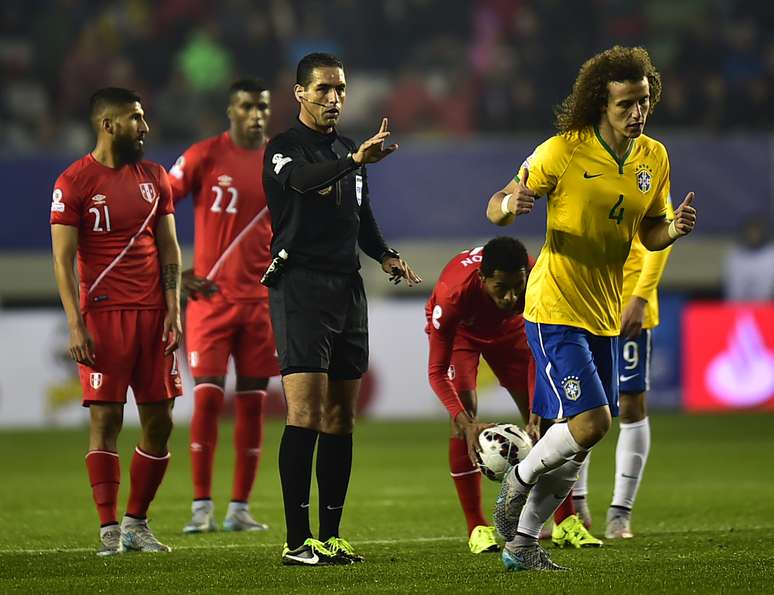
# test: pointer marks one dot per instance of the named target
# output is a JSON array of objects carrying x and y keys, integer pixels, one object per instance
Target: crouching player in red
[
  {"x": 228, "y": 310},
  {"x": 115, "y": 212},
  {"x": 475, "y": 310}
]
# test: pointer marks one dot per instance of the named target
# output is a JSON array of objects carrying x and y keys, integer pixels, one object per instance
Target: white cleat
[
  {"x": 202, "y": 518},
  {"x": 618, "y": 525},
  {"x": 136, "y": 536},
  {"x": 239, "y": 519},
  {"x": 111, "y": 540}
]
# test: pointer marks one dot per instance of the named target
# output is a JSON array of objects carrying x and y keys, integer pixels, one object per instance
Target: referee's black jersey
[{"x": 321, "y": 227}]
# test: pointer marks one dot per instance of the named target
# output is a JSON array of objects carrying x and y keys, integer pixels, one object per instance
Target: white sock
[
  {"x": 202, "y": 505},
  {"x": 555, "y": 448},
  {"x": 130, "y": 521},
  {"x": 581, "y": 487},
  {"x": 235, "y": 507},
  {"x": 549, "y": 492},
  {"x": 631, "y": 453}
]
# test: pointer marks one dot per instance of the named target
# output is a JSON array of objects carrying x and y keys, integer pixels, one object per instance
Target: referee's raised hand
[{"x": 373, "y": 149}]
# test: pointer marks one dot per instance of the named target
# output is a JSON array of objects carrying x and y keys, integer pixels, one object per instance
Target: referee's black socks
[
  {"x": 334, "y": 465},
  {"x": 295, "y": 464}
]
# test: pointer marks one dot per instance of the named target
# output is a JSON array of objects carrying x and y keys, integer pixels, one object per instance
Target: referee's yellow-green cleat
[
  {"x": 482, "y": 539},
  {"x": 571, "y": 532}
]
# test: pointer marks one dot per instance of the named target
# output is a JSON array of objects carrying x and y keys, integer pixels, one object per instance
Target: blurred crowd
[{"x": 436, "y": 67}]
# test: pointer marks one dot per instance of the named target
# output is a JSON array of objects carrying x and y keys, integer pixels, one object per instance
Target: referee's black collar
[{"x": 313, "y": 136}]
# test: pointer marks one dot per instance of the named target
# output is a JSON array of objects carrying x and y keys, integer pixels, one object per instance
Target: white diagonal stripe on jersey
[
  {"x": 126, "y": 249},
  {"x": 232, "y": 246}
]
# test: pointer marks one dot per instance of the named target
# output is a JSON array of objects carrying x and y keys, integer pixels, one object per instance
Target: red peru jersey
[
  {"x": 232, "y": 229},
  {"x": 459, "y": 303},
  {"x": 115, "y": 211},
  {"x": 459, "y": 306}
]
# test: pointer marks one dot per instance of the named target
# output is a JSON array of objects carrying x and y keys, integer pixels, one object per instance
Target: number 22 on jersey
[{"x": 217, "y": 205}]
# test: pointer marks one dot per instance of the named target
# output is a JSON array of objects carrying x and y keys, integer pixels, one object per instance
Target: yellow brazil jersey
[
  {"x": 642, "y": 274},
  {"x": 595, "y": 206}
]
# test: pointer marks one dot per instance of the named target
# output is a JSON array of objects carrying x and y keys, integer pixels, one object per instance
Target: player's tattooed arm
[
  {"x": 170, "y": 276},
  {"x": 169, "y": 256}
]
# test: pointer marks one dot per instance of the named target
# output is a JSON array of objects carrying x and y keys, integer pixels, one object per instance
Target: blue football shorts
[
  {"x": 634, "y": 363},
  {"x": 575, "y": 370}
]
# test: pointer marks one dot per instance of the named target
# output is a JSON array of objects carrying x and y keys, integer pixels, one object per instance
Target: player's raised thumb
[{"x": 688, "y": 199}]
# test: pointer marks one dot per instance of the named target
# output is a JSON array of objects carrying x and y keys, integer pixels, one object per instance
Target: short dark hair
[
  {"x": 503, "y": 254},
  {"x": 249, "y": 85},
  {"x": 315, "y": 60},
  {"x": 111, "y": 96}
]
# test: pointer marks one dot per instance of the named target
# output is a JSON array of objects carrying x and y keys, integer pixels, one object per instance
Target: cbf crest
[
  {"x": 644, "y": 177},
  {"x": 572, "y": 388},
  {"x": 148, "y": 191}
]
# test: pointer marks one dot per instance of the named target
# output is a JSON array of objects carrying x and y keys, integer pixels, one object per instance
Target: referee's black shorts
[{"x": 320, "y": 322}]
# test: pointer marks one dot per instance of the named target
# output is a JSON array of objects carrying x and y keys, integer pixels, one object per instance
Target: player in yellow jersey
[
  {"x": 642, "y": 274},
  {"x": 606, "y": 183}
]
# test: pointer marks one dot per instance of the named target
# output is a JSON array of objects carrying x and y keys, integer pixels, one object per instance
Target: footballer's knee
[
  {"x": 156, "y": 423},
  {"x": 251, "y": 383},
  {"x": 632, "y": 407},
  {"x": 106, "y": 420},
  {"x": 590, "y": 427},
  {"x": 338, "y": 418}
]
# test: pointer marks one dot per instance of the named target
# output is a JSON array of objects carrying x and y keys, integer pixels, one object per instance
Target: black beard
[{"x": 127, "y": 150}]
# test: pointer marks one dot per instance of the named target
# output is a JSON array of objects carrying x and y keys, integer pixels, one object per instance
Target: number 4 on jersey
[{"x": 617, "y": 214}]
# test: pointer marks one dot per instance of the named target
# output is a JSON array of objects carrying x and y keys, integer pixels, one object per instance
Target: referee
[{"x": 317, "y": 191}]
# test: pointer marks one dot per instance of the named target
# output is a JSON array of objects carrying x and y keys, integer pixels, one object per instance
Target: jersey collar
[
  {"x": 620, "y": 162},
  {"x": 313, "y": 136}
]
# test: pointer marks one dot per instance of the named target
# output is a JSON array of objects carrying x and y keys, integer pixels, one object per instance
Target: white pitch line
[{"x": 232, "y": 546}]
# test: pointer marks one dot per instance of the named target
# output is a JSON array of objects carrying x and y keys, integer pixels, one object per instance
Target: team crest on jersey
[
  {"x": 95, "y": 379},
  {"x": 644, "y": 176},
  {"x": 148, "y": 191},
  {"x": 225, "y": 180},
  {"x": 572, "y": 388},
  {"x": 451, "y": 373}
]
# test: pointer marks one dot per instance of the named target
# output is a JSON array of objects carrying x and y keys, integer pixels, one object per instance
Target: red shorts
[
  {"x": 508, "y": 357},
  {"x": 129, "y": 350},
  {"x": 217, "y": 329}
]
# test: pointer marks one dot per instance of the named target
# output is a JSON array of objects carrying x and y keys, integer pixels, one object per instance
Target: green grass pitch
[{"x": 704, "y": 519}]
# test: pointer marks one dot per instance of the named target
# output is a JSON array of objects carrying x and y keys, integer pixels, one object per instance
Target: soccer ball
[{"x": 502, "y": 447}]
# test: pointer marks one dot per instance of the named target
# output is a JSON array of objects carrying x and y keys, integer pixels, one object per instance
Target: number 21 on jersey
[{"x": 101, "y": 218}]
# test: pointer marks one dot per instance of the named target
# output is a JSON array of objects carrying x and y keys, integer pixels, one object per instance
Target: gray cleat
[
  {"x": 528, "y": 557},
  {"x": 202, "y": 518},
  {"x": 510, "y": 501},
  {"x": 111, "y": 541},
  {"x": 137, "y": 537},
  {"x": 618, "y": 524},
  {"x": 240, "y": 520}
]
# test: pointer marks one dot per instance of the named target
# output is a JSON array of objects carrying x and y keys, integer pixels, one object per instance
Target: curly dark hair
[{"x": 589, "y": 95}]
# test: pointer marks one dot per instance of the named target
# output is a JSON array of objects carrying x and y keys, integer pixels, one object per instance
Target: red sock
[
  {"x": 208, "y": 403},
  {"x": 105, "y": 476},
  {"x": 248, "y": 431},
  {"x": 566, "y": 508},
  {"x": 467, "y": 480},
  {"x": 146, "y": 474}
]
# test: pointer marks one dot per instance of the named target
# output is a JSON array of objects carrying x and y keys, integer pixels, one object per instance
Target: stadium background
[{"x": 469, "y": 88}]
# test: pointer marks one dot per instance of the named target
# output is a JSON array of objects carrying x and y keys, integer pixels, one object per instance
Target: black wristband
[{"x": 389, "y": 253}]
